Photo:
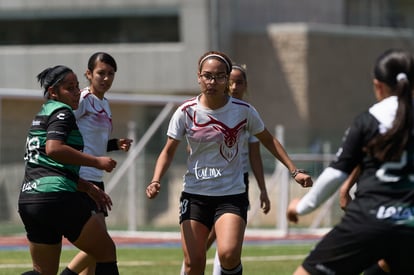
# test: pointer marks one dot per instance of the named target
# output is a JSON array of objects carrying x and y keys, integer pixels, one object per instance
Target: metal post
[
  {"x": 134, "y": 152},
  {"x": 132, "y": 209},
  {"x": 283, "y": 197}
]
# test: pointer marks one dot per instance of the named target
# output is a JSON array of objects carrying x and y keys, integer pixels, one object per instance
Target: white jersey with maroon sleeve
[
  {"x": 94, "y": 120},
  {"x": 216, "y": 139}
]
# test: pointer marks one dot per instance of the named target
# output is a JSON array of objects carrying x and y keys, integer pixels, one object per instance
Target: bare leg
[
  {"x": 230, "y": 234},
  {"x": 210, "y": 240},
  {"x": 45, "y": 257},
  {"x": 301, "y": 271},
  {"x": 96, "y": 242},
  {"x": 82, "y": 263},
  {"x": 193, "y": 240}
]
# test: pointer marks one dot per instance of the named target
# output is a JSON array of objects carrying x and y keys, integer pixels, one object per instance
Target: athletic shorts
[
  {"x": 351, "y": 247},
  {"x": 246, "y": 182},
  {"x": 46, "y": 222},
  {"x": 92, "y": 203},
  {"x": 207, "y": 209}
]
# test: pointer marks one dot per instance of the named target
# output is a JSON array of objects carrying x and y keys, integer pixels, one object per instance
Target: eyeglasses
[{"x": 220, "y": 79}]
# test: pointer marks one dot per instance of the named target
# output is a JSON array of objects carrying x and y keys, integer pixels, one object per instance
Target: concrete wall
[
  {"x": 164, "y": 68},
  {"x": 313, "y": 79}
]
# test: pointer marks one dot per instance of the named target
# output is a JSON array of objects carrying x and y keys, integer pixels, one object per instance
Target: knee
[
  {"x": 195, "y": 264},
  {"x": 109, "y": 252},
  {"x": 105, "y": 252},
  {"x": 229, "y": 260}
]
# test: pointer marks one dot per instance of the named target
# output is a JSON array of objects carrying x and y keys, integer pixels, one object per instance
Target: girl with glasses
[{"x": 215, "y": 125}]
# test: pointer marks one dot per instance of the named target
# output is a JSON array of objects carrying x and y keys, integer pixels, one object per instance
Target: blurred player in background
[
  {"x": 378, "y": 222},
  {"x": 94, "y": 119}
]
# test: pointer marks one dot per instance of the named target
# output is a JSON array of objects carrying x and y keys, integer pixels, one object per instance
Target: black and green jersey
[{"x": 55, "y": 121}]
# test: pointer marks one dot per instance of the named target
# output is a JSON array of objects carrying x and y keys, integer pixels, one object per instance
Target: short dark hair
[{"x": 103, "y": 57}]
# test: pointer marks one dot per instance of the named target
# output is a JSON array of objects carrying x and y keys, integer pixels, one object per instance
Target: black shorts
[
  {"x": 352, "y": 246},
  {"x": 47, "y": 221},
  {"x": 207, "y": 209},
  {"x": 92, "y": 203},
  {"x": 246, "y": 182}
]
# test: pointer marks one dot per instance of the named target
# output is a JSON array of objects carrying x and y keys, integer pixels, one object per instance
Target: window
[{"x": 52, "y": 28}]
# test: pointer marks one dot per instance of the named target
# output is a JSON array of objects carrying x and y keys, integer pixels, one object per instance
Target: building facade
[{"x": 308, "y": 62}]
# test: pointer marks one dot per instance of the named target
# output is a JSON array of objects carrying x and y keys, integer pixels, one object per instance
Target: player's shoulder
[
  {"x": 189, "y": 103},
  {"x": 239, "y": 102},
  {"x": 366, "y": 120},
  {"x": 85, "y": 92}
]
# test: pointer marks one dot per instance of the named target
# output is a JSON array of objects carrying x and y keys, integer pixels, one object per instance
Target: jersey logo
[
  {"x": 29, "y": 186},
  {"x": 229, "y": 148},
  {"x": 61, "y": 116},
  {"x": 399, "y": 214},
  {"x": 206, "y": 172}
]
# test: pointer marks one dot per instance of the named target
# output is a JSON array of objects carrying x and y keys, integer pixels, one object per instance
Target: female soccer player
[
  {"x": 378, "y": 222},
  {"x": 50, "y": 204},
  {"x": 214, "y": 194}
]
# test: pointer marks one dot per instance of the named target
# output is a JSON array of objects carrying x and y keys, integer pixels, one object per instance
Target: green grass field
[{"x": 261, "y": 260}]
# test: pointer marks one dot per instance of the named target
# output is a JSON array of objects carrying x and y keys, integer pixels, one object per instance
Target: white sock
[
  {"x": 182, "y": 272},
  {"x": 216, "y": 265}
]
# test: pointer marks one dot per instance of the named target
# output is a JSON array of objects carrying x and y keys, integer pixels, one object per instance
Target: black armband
[{"x": 112, "y": 145}]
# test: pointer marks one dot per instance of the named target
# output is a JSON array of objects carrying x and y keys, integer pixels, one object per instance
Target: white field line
[{"x": 153, "y": 263}]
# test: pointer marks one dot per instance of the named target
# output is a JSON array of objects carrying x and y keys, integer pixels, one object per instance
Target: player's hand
[
  {"x": 124, "y": 144},
  {"x": 291, "y": 213},
  {"x": 106, "y": 163},
  {"x": 344, "y": 198},
  {"x": 153, "y": 189},
  {"x": 304, "y": 180},
  {"x": 102, "y": 200},
  {"x": 264, "y": 202}
]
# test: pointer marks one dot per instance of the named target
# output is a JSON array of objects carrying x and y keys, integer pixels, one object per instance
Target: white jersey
[
  {"x": 94, "y": 120},
  {"x": 216, "y": 139},
  {"x": 245, "y": 152}
]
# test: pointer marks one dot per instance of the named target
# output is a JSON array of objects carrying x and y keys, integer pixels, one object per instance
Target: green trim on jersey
[{"x": 43, "y": 174}]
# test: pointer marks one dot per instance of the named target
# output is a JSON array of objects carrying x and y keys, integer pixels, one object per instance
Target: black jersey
[
  {"x": 379, "y": 222},
  {"x": 385, "y": 190},
  {"x": 55, "y": 121}
]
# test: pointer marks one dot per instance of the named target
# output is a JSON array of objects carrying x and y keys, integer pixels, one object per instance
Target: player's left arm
[{"x": 256, "y": 164}]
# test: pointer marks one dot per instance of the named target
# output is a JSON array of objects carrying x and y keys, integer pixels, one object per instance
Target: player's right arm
[
  {"x": 163, "y": 162},
  {"x": 323, "y": 188}
]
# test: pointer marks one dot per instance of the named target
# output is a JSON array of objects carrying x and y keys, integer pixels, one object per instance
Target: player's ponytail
[{"x": 396, "y": 69}]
